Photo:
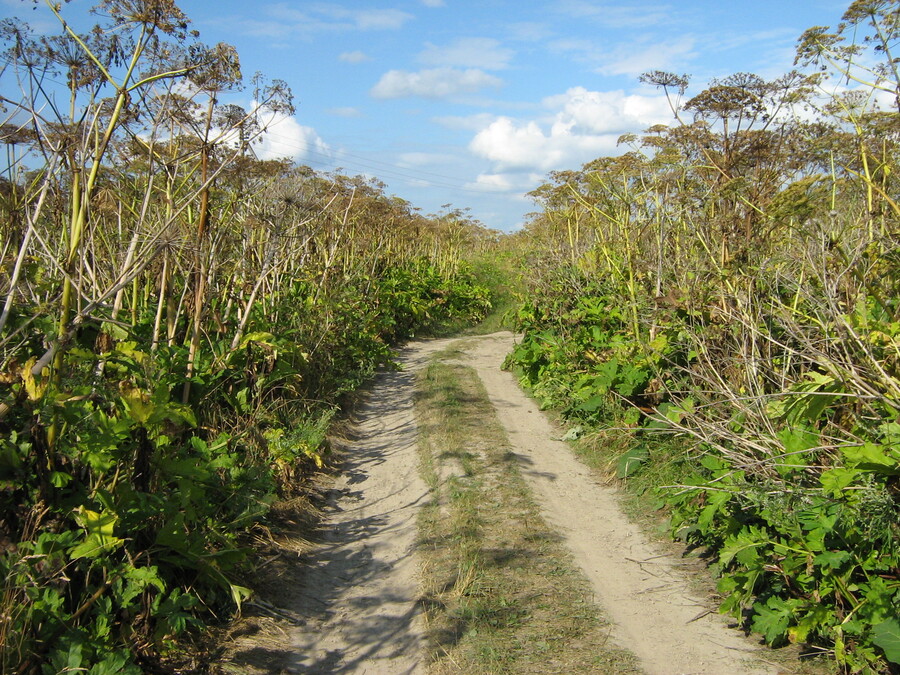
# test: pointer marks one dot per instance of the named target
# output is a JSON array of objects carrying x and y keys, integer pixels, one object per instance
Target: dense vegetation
[
  {"x": 725, "y": 294},
  {"x": 180, "y": 323}
]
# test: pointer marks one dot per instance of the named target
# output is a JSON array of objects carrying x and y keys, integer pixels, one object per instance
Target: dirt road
[{"x": 358, "y": 604}]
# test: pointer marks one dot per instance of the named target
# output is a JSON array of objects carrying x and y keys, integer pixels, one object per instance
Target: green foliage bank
[
  {"x": 725, "y": 296},
  {"x": 180, "y": 322}
]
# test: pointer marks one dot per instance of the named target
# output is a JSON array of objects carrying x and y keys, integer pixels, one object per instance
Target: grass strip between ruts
[{"x": 501, "y": 593}]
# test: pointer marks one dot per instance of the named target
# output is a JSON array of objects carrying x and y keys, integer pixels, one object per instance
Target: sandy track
[{"x": 360, "y": 595}]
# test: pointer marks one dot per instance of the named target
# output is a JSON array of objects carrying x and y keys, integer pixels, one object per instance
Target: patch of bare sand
[
  {"x": 359, "y": 595},
  {"x": 641, "y": 589}
]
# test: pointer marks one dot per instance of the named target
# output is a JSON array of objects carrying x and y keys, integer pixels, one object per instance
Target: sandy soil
[
  {"x": 358, "y": 610},
  {"x": 361, "y": 592}
]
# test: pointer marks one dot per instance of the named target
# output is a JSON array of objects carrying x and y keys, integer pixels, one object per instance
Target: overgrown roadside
[
  {"x": 501, "y": 560},
  {"x": 502, "y": 594}
]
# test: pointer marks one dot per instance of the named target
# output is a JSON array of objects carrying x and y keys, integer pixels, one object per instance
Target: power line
[
  {"x": 375, "y": 161},
  {"x": 381, "y": 167}
]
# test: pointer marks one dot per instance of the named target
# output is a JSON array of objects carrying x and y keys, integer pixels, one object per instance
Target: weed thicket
[
  {"x": 725, "y": 296},
  {"x": 180, "y": 323}
]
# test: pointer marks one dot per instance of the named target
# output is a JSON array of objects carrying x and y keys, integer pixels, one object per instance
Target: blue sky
[{"x": 472, "y": 103}]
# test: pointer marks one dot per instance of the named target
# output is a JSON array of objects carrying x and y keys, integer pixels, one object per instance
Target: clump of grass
[{"x": 502, "y": 594}]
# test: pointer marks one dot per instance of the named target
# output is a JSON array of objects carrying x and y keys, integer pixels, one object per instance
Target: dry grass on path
[{"x": 502, "y": 594}]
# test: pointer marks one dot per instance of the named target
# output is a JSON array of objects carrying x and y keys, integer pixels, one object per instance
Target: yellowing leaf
[
  {"x": 95, "y": 522},
  {"x": 99, "y": 537},
  {"x": 137, "y": 404},
  {"x": 239, "y": 594},
  {"x": 130, "y": 349},
  {"x": 258, "y": 337},
  {"x": 659, "y": 343},
  {"x": 34, "y": 387},
  {"x": 94, "y": 545}
]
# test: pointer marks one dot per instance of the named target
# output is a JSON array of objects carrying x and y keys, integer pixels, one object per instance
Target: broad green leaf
[
  {"x": 745, "y": 540},
  {"x": 114, "y": 330},
  {"x": 631, "y": 460},
  {"x": 67, "y": 654},
  {"x": 886, "y": 636},
  {"x": 871, "y": 457},
  {"x": 80, "y": 354},
  {"x": 115, "y": 664},
  {"x": 834, "y": 481},
  {"x": 199, "y": 445},
  {"x": 816, "y": 619},
  {"x": 95, "y": 545},
  {"x": 99, "y": 537},
  {"x": 137, "y": 404},
  {"x": 96, "y": 523},
  {"x": 258, "y": 337},
  {"x": 797, "y": 439},
  {"x": 832, "y": 559},
  {"x": 773, "y": 619},
  {"x": 891, "y": 433},
  {"x": 713, "y": 463},
  {"x": 592, "y": 404},
  {"x": 631, "y": 417},
  {"x": 137, "y": 579},
  {"x": 59, "y": 479},
  {"x": 819, "y": 379},
  {"x": 715, "y": 501},
  {"x": 659, "y": 343},
  {"x": 130, "y": 350}
]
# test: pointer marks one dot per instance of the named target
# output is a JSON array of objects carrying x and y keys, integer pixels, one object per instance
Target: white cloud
[
  {"x": 618, "y": 16},
  {"x": 433, "y": 83},
  {"x": 884, "y": 100},
  {"x": 494, "y": 182},
  {"x": 506, "y": 187},
  {"x": 285, "y": 137},
  {"x": 287, "y": 20},
  {"x": 636, "y": 59},
  {"x": 514, "y": 145},
  {"x": 475, "y": 122},
  {"x": 605, "y": 112},
  {"x": 632, "y": 58},
  {"x": 471, "y": 52},
  {"x": 529, "y": 31},
  {"x": 354, "y": 57},
  {"x": 378, "y": 19},
  {"x": 581, "y": 125},
  {"x": 724, "y": 41}
]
